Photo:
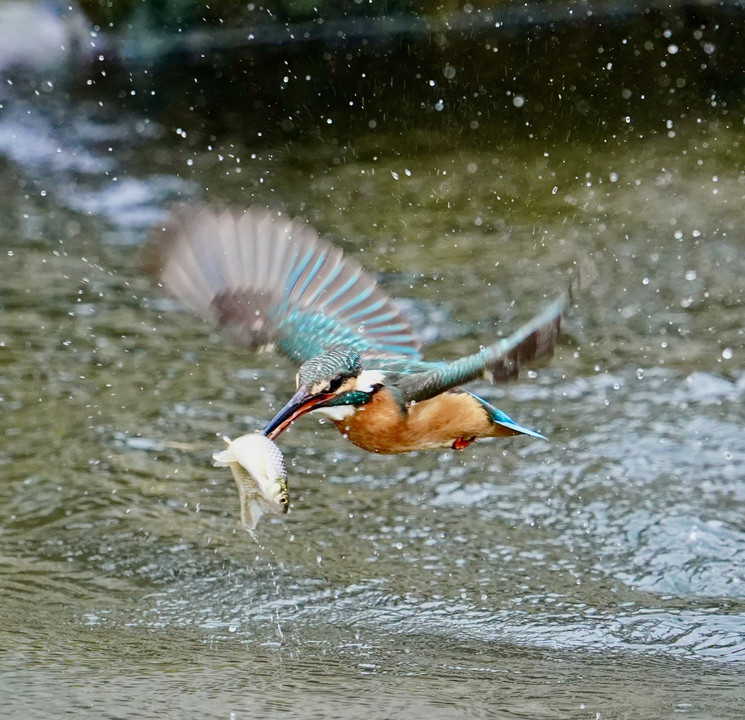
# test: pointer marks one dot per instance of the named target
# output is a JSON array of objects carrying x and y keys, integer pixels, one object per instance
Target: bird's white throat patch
[
  {"x": 367, "y": 380},
  {"x": 339, "y": 412}
]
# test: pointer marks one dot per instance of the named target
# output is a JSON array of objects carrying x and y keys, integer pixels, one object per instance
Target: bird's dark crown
[{"x": 327, "y": 371}]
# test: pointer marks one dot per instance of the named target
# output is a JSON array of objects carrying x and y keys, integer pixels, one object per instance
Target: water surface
[{"x": 596, "y": 575}]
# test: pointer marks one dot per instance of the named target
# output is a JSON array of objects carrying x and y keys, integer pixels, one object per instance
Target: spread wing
[
  {"x": 270, "y": 280},
  {"x": 498, "y": 362}
]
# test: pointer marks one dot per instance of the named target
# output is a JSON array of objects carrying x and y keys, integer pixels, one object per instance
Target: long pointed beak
[{"x": 299, "y": 404}]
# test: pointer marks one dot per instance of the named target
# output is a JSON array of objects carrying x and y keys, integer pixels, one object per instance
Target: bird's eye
[{"x": 335, "y": 383}]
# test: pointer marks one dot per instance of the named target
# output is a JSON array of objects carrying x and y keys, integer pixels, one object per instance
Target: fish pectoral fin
[
  {"x": 251, "y": 511},
  {"x": 250, "y": 505}
]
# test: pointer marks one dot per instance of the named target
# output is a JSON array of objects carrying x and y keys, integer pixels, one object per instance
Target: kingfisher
[{"x": 271, "y": 281}]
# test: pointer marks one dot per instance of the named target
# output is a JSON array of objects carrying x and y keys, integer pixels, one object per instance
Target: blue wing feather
[{"x": 272, "y": 280}]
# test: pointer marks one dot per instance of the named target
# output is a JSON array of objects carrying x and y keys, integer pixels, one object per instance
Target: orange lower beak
[{"x": 300, "y": 403}]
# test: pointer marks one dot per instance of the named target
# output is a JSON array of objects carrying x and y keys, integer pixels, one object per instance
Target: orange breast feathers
[{"x": 453, "y": 418}]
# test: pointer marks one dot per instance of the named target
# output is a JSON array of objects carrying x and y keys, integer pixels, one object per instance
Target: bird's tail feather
[{"x": 501, "y": 418}]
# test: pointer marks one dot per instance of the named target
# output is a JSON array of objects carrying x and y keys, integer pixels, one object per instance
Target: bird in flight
[{"x": 270, "y": 280}]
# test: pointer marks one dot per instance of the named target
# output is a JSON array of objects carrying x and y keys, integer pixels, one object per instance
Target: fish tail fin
[{"x": 224, "y": 457}]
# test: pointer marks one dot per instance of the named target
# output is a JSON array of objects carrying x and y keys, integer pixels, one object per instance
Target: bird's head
[{"x": 333, "y": 381}]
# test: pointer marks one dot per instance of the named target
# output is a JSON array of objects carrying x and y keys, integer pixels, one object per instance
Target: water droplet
[
  {"x": 639, "y": 374},
  {"x": 727, "y": 353}
]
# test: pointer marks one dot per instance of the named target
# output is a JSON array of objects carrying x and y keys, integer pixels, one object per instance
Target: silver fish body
[{"x": 258, "y": 469}]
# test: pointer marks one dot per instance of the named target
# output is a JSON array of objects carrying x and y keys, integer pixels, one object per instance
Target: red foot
[{"x": 461, "y": 443}]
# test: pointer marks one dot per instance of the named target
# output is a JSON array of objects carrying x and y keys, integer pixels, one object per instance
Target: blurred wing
[
  {"x": 271, "y": 280},
  {"x": 498, "y": 362}
]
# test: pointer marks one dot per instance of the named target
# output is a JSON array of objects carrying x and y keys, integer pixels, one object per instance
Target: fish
[{"x": 258, "y": 468}]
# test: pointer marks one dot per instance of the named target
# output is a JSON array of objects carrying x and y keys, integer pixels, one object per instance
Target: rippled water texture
[{"x": 598, "y": 575}]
